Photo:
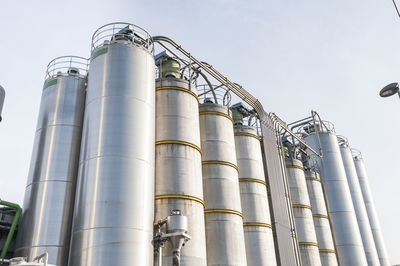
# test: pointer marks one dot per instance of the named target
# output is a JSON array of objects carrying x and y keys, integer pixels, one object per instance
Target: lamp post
[{"x": 390, "y": 90}]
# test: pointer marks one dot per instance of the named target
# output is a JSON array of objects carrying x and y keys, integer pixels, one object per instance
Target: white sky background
[{"x": 294, "y": 55}]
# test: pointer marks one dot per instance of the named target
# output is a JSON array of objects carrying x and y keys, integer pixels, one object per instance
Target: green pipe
[{"x": 13, "y": 226}]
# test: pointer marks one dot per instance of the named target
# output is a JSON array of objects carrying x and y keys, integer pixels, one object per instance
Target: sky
[{"x": 294, "y": 56}]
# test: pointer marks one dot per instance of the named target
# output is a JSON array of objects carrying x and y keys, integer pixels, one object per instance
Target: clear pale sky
[{"x": 329, "y": 56}]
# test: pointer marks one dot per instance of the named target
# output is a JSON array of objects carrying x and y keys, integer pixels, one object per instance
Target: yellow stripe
[
  {"x": 179, "y": 89},
  {"x": 258, "y": 224},
  {"x": 301, "y": 206},
  {"x": 327, "y": 251},
  {"x": 179, "y": 142},
  {"x": 216, "y": 113},
  {"x": 223, "y": 211},
  {"x": 252, "y": 180},
  {"x": 308, "y": 244},
  {"x": 313, "y": 178},
  {"x": 221, "y": 162},
  {"x": 179, "y": 196},
  {"x": 294, "y": 166},
  {"x": 247, "y": 134},
  {"x": 320, "y": 215}
]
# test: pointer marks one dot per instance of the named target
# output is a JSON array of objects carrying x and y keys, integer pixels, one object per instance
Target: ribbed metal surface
[
  {"x": 114, "y": 208},
  {"x": 224, "y": 223},
  {"x": 286, "y": 247},
  {"x": 341, "y": 210},
  {"x": 305, "y": 230},
  {"x": 359, "y": 206},
  {"x": 321, "y": 221},
  {"x": 258, "y": 234},
  {"x": 179, "y": 183},
  {"x": 371, "y": 211},
  {"x": 50, "y": 191}
]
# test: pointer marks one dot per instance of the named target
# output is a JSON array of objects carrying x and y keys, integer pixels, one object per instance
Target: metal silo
[
  {"x": 114, "y": 207},
  {"x": 50, "y": 191},
  {"x": 258, "y": 234},
  {"x": 322, "y": 225},
  {"x": 2, "y": 96},
  {"x": 371, "y": 211},
  {"x": 303, "y": 217},
  {"x": 179, "y": 183},
  {"x": 358, "y": 203},
  {"x": 321, "y": 137},
  {"x": 223, "y": 212}
]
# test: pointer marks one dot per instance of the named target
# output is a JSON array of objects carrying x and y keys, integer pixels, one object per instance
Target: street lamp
[{"x": 390, "y": 90}]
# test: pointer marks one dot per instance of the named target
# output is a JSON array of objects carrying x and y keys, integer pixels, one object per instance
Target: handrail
[
  {"x": 13, "y": 226},
  {"x": 236, "y": 88}
]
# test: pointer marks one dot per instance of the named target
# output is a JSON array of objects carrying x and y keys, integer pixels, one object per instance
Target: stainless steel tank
[
  {"x": 341, "y": 210},
  {"x": 371, "y": 211},
  {"x": 358, "y": 203},
  {"x": 223, "y": 212},
  {"x": 322, "y": 225},
  {"x": 2, "y": 96},
  {"x": 259, "y": 240},
  {"x": 305, "y": 231},
  {"x": 114, "y": 207},
  {"x": 179, "y": 183},
  {"x": 50, "y": 190}
]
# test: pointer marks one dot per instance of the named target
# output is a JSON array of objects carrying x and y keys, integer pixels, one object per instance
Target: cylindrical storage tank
[
  {"x": 341, "y": 211},
  {"x": 303, "y": 218},
  {"x": 50, "y": 191},
  {"x": 259, "y": 240},
  {"x": 179, "y": 183},
  {"x": 2, "y": 96},
  {"x": 371, "y": 211},
  {"x": 358, "y": 203},
  {"x": 114, "y": 207},
  {"x": 223, "y": 212},
  {"x": 321, "y": 220}
]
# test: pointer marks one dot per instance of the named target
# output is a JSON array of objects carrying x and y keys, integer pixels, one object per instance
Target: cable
[{"x": 395, "y": 6}]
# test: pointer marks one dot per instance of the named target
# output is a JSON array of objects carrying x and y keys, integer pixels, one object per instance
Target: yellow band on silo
[
  {"x": 294, "y": 166},
  {"x": 327, "y": 251},
  {"x": 221, "y": 162},
  {"x": 223, "y": 211},
  {"x": 248, "y": 135},
  {"x": 313, "y": 179},
  {"x": 253, "y": 180},
  {"x": 308, "y": 244},
  {"x": 320, "y": 216},
  {"x": 216, "y": 113},
  {"x": 301, "y": 206},
  {"x": 179, "y": 196},
  {"x": 180, "y": 143},
  {"x": 258, "y": 224},
  {"x": 179, "y": 89}
]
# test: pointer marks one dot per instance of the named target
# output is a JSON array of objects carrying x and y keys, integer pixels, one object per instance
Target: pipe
[
  {"x": 176, "y": 259},
  {"x": 13, "y": 225}
]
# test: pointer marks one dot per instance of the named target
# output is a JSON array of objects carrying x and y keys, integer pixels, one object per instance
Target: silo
[
  {"x": 50, "y": 190},
  {"x": 358, "y": 203},
  {"x": 223, "y": 212},
  {"x": 322, "y": 225},
  {"x": 258, "y": 234},
  {"x": 305, "y": 231},
  {"x": 371, "y": 211},
  {"x": 2, "y": 96},
  {"x": 179, "y": 183},
  {"x": 341, "y": 210},
  {"x": 114, "y": 207}
]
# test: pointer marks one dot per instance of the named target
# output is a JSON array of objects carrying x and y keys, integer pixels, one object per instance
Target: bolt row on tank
[{"x": 141, "y": 157}]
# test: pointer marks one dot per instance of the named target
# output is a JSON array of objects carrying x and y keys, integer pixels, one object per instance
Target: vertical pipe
[
  {"x": 359, "y": 206},
  {"x": 14, "y": 223},
  {"x": 305, "y": 230},
  {"x": 223, "y": 212},
  {"x": 371, "y": 211},
  {"x": 179, "y": 183},
  {"x": 50, "y": 191},
  {"x": 322, "y": 225},
  {"x": 113, "y": 216},
  {"x": 258, "y": 234},
  {"x": 341, "y": 210}
]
